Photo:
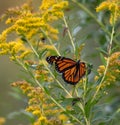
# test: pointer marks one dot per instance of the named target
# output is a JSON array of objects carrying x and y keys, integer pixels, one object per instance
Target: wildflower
[
  {"x": 23, "y": 85},
  {"x": 43, "y": 119},
  {"x": 15, "y": 49},
  {"x": 63, "y": 117},
  {"x": 113, "y": 72},
  {"x": 44, "y": 46},
  {"x": 40, "y": 105},
  {"x": 24, "y": 22},
  {"x": 113, "y": 6},
  {"x": 2, "y": 120}
]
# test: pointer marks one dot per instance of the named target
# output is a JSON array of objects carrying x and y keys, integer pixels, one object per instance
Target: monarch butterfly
[{"x": 71, "y": 70}]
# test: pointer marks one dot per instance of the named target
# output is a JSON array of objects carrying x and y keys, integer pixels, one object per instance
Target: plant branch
[
  {"x": 107, "y": 64},
  {"x": 51, "y": 42},
  {"x": 69, "y": 33}
]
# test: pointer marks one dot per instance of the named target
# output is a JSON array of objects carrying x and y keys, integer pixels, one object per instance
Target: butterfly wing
[
  {"x": 74, "y": 74},
  {"x": 61, "y": 63},
  {"x": 71, "y": 70},
  {"x": 51, "y": 59}
]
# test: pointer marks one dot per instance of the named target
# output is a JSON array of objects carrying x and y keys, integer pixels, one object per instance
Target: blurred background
[
  {"x": 9, "y": 72},
  {"x": 12, "y": 108}
]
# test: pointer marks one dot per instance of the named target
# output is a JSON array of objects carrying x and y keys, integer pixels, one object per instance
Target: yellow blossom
[
  {"x": 15, "y": 49},
  {"x": 63, "y": 117},
  {"x": 24, "y": 22},
  {"x": 46, "y": 46},
  {"x": 23, "y": 85},
  {"x": 46, "y": 4},
  {"x": 24, "y": 54},
  {"x": 42, "y": 119},
  {"x": 9, "y": 21},
  {"x": 36, "y": 112},
  {"x": 5, "y": 33},
  {"x": 113, "y": 6},
  {"x": 2, "y": 120},
  {"x": 59, "y": 4},
  {"x": 40, "y": 106},
  {"x": 113, "y": 72}
]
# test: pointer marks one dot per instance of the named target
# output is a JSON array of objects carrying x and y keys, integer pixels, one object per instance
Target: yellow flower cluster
[
  {"x": 31, "y": 25},
  {"x": 113, "y": 6},
  {"x": 52, "y": 10},
  {"x": 14, "y": 49},
  {"x": 39, "y": 71},
  {"x": 113, "y": 72},
  {"x": 24, "y": 22},
  {"x": 2, "y": 120},
  {"x": 40, "y": 105},
  {"x": 44, "y": 46},
  {"x": 41, "y": 74}
]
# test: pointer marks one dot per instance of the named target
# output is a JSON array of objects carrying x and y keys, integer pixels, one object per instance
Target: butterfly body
[{"x": 71, "y": 70}]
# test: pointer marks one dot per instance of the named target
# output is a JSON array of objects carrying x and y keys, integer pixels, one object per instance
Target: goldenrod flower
[
  {"x": 63, "y": 117},
  {"x": 44, "y": 46},
  {"x": 15, "y": 49},
  {"x": 113, "y": 72},
  {"x": 40, "y": 105},
  {"x": 24, "y": 22},
  {"x": 113, "y": 6},
  {"x": 2, "y": 120},
  {"x": 31, "y": 26},
  {"x": 43, "y": 119}
]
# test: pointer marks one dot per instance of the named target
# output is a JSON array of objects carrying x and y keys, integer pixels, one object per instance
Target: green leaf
[
  {"x": 99, "y": 80},
  {"x": 88, "y": 107},
  {"x": 102, "y": 51},
  {"x": 23, "y": 38},
  {"x": 46, "y": 90},
  {"x": 102, "y": 58},
  {"x": 42, "y": 53}
]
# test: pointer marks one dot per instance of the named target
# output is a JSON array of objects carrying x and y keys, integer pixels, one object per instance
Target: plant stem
[
  {"x": 84, "y": 99},
  {"x": 69, "y": 33},
  {"x": 65, "y": 111},
  {"x": 84, "y": 88},
  {"x": 82, "y": 106},
  {"x": 51, "y": 42},
  {"x": 107, "y": 64},
  {"x": 57, "y": 81}
]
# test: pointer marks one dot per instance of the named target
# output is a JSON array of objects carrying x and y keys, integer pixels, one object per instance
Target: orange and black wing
[
  {"x": 75, "y": 73},
  {"x": 61, "y": 63},
  {"x": 71, "y": 70}
]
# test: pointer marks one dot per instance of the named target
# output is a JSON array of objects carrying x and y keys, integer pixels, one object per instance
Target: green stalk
[
  {"x": 84, "y": 96},
  {"x": 65, "y": 111},
  {"x": 107, "y": 64},
  {"x": 69, "y": 33},
  {"x": 51, "y": 42},
  {"x": 57, "y": 80}
]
